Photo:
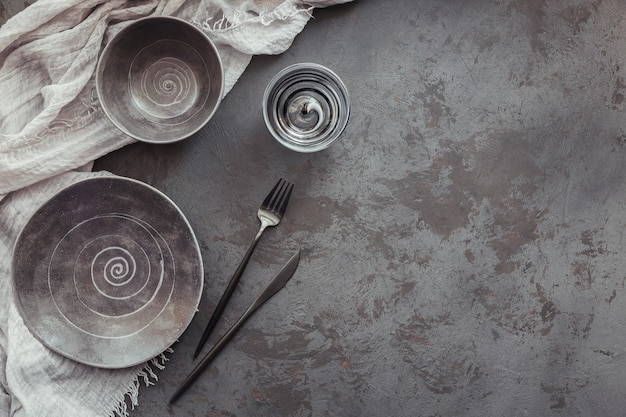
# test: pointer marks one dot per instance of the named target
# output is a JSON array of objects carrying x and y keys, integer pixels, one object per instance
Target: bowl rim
[{"x": 106, "y": 51}]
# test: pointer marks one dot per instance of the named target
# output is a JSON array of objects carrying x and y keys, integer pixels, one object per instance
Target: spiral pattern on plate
[
  {"x": 164, "y": 88},
  {"x": 107, "y": 272},
  {"x": 98, "y": 279}
]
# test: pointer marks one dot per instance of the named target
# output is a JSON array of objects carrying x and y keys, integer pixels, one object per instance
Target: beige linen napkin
[{"x": 51, "y": 123}]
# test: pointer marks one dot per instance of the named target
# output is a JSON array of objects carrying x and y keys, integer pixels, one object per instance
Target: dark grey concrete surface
[{"x": 462, "y": 243}]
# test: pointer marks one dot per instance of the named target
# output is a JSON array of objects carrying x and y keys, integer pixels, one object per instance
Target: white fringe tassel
[{"x": 145, "y": 375}]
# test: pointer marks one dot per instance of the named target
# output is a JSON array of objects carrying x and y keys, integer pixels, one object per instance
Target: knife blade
[{"x": 272, "y": 288}]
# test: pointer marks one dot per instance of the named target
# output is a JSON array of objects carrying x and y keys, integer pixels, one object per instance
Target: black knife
[{"x": 277, "y": 283}]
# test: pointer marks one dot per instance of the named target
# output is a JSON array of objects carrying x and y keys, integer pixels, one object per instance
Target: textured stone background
[
  {"x": 462, "y": 244},
  {"x": 9, "y": 8}
]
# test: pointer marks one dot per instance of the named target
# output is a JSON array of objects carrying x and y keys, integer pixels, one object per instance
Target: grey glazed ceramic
[
  {"x": 160, "y": 79},
  {"x": 306, "y": 107},
  {"x": 108, "y": 272}
]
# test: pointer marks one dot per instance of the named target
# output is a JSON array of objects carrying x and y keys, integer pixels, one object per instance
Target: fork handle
[{"x": 230, "y": 289}]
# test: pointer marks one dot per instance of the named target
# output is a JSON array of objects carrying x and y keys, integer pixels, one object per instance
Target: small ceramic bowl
[
  {"x": 160, "y": 79},
  {"x": 306, "y": 107}
]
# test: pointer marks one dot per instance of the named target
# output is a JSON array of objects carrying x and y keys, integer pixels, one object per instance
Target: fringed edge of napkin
[
  {"x": 242, "y": 16},
  {"x": 146, "y": 376}
]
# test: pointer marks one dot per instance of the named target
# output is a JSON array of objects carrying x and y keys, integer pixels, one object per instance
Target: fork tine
[
  {"x": 285, "y": 200},
  {"x": 278, "y": 198},
  {"x": 281, "y": 198},
  {"x": 268, "y": 200}
]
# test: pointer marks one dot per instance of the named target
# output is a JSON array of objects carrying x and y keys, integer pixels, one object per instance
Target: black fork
[{"x": 270, "y": 213}]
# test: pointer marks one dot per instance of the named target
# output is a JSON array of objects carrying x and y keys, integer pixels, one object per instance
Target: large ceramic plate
[{"x": 108, "y": 272}]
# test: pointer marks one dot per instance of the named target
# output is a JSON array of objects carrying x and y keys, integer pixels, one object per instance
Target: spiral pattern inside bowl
[{"x": 165, "y": 89}]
